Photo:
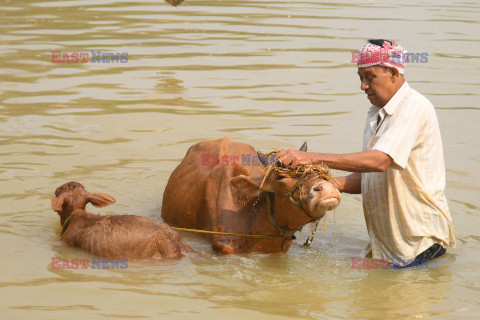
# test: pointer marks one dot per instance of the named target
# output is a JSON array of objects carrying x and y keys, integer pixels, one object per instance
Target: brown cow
[
  {"x": 119, "y": 236},
  {"x": 226, "y": 197}
]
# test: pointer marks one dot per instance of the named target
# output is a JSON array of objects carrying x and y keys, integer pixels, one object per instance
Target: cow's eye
[{"x": 280, "y": 177}]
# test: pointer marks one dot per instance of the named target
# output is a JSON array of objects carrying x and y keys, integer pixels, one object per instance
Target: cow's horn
[
  {"x": 268, "y": 160},
  {"x": 304, "y": 147}
]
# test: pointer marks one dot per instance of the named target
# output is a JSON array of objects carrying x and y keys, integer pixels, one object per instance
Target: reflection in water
[
  {"x": 270, "y": 74},
  {"x": 175, "y": 2}
]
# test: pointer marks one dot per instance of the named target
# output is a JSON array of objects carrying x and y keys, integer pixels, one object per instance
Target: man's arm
[
  {"x": 365, "y": 161},
  {"x": 350, "y": 184}
]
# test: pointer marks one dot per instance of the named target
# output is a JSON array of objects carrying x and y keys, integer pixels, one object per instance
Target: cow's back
[{"x": 198, "y": 192}]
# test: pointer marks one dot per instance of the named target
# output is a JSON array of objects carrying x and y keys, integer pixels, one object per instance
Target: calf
[{"x": 118, "y": 236}]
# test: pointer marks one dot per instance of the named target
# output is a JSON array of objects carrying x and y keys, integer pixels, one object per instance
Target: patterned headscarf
[{"x": 387, "y": 55}]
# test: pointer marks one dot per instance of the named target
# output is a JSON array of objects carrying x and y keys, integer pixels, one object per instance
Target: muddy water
[{"x": 267, "y": 73}]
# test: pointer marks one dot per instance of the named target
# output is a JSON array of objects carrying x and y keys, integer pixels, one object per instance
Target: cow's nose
[{"x": 321, "y": 186}]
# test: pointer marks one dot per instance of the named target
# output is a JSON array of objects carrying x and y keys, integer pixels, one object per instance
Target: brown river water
[{"x": 268, "y": 73}]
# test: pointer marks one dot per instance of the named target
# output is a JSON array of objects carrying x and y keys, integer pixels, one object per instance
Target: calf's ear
[
  {"x": 101, "y": 199},
  {"x": 57, "y": 203}
]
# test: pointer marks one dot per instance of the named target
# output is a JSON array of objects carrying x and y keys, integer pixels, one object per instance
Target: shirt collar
[{"x": 394, "y": 102}]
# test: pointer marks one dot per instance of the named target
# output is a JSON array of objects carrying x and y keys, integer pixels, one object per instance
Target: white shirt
[{"x": 405, "y": 207}]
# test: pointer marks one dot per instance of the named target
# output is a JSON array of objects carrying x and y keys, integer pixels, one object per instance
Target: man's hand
[
  {"x": 365, "y": 161},
  {"x": 350, "y": 184},
  {"x": 293, "y": 158}
]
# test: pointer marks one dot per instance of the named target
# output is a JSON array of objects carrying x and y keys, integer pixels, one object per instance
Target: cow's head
[
  {"x": 72, "y": 196},
  {"x": 315, "y": 194}
]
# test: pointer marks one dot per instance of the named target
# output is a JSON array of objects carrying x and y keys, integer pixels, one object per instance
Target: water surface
[{"x": 268, "y": 73}]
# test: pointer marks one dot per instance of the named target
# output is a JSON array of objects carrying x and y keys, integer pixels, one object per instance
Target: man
[{"x": 400, "y": 172}]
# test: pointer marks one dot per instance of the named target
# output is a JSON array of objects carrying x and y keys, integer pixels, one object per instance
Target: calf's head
[{"x": 72, "y": 196}]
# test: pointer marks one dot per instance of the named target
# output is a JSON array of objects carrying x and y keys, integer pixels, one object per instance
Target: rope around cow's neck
[
  {"x": 298, "y": 202},
  {"x": 285, "y": 232}
]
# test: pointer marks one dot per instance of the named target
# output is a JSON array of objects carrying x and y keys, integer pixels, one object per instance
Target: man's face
[{"x": 379, "y": 84}]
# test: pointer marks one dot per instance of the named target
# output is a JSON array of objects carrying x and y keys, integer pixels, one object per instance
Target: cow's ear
[
  {"x": 247, "y": 184},
  {"x": 101, "y": 199}
]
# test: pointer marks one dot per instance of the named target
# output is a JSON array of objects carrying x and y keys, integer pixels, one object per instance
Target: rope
[
  {"x": 261, "y": 236},
  {"x": 298, "y": 202},
  {"x": 65, "y": 223},
  {"x": 283, "y": 231}
]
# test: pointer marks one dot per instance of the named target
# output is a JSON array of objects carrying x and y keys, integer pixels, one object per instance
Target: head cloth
[{"x": 387, "y": 55}]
